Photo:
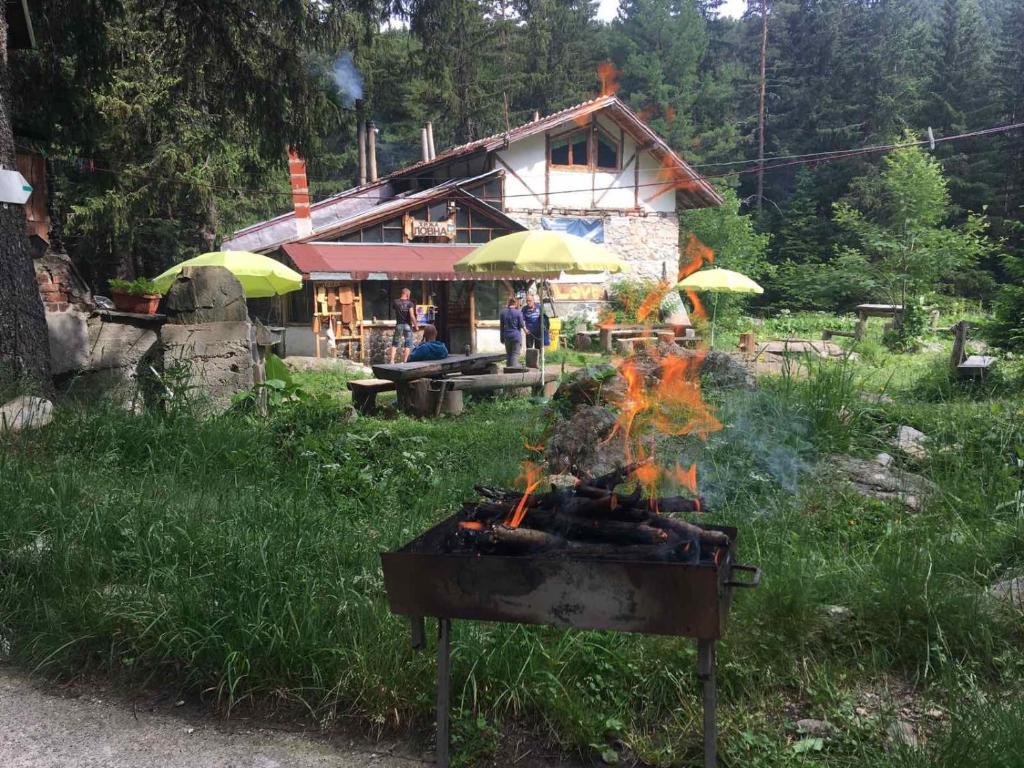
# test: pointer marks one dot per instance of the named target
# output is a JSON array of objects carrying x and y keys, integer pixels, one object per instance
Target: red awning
[{"x": 381, "y": 261}]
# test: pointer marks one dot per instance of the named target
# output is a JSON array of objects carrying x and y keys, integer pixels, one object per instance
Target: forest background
[{"x": 166, "y": 124}]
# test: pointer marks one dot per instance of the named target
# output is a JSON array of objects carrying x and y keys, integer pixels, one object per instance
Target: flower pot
[{"x": 144, "y": 304}]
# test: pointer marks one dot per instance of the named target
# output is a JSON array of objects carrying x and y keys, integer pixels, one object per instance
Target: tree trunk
[
  {"x": 24, "y": 344},
  {"x": 760, "y": 109}
]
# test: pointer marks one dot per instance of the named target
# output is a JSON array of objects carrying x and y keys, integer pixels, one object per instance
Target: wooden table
[
  {"x": 864, "y": 311},
  {"x": 432, "y": 369},
  {"x": 416, "y": 380}
]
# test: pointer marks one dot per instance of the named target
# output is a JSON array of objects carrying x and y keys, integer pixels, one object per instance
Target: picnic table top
[
  {"x": 429, "y": 368},
  {"x": 880, "y": 308}
]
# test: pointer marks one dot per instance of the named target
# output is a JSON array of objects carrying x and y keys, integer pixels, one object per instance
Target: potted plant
[{"x": 139, "y": 296}]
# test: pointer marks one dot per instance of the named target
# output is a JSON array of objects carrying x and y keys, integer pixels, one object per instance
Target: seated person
[{"x": 428, "y": 349}]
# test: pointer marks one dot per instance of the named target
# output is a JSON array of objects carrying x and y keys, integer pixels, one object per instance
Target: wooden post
[
  {"x": 316, "y": 325},
  {"x": 471, "y": 288},
  {"x": 359, "y": 322},
  {"x": 606, "y": 340},
  {"x": 959, "y": 343},
  {"x": 547, "y": 171}
]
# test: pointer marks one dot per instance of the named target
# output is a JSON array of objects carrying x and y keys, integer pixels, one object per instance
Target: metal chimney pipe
[
  {"x": 361, "y": 138},
  {"x": 430, "y": 139},
  {"x": 371, "y": 149},
  {"x": 424, "y": 144},
  {"x": 536, "y": 115}
]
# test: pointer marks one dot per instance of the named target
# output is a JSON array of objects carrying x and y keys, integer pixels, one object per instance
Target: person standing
[
  {"x": 512, "y": 327},
  {"x": 533, "y": 317},
  {"x": 405, "y": 325}
]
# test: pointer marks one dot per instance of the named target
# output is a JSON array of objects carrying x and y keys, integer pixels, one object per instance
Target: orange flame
[
  {"x": 531, "y": 478},
  {"x": 686, "y": 477},
  {"x": 680, "y": 408},
  {"x": 608, "y": 75},
  {"x": 533, "y": 448},
  {"x": 653, "y": 300},
  {"x": 696, "y": 254},
  {"x": 471, "y": 525}
]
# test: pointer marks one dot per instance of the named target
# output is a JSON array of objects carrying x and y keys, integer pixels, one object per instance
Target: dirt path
[{"x": 42, "y": 729}]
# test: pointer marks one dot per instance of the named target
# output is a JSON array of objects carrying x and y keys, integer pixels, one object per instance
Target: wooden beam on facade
[{"x": 519, "y": 178}]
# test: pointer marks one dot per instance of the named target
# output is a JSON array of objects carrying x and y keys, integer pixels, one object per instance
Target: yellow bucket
[{"x": 554, "y": 331}]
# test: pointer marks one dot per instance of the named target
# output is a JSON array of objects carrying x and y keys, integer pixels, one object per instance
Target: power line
[{"x": 667, "y": 184}]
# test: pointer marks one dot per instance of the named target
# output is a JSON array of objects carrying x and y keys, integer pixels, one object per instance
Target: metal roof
[
  {"x": 335, "y": 211},
  {"x": 382, "y": 261}
]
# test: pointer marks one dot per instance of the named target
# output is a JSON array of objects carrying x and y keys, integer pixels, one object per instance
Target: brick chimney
[{"x": 300, "y": 193}]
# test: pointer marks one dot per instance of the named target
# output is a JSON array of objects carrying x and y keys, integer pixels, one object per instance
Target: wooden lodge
[{"x": 595, "y": 170}]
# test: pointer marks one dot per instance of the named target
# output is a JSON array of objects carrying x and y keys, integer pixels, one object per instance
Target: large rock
[
  {"x": 69, "y": 341},
  {"x": 25, "y": 412},
  {"x": 205, "y": 295},
  {"x": 886, "y": 483},
  {"x": 219, "y": 359},
  {"x": 726, "y": 371},
  {"x": 582, "y": 442},
  {"x": 912, "y": 442},
  {"x": 1010, "y": 591}
]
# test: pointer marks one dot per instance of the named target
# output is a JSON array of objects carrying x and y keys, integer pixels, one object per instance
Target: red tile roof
[{"x": 381, "y": 261}]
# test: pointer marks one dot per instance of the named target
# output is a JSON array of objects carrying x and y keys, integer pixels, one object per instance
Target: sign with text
[{"x": 416, "y": 229}]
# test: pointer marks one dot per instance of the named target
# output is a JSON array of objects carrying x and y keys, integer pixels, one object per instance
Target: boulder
[
  {"x": 581, "y": 442},
  {"x": 902, "y": 734},
  {"x": 1009, "y": 591},
  {"x": 218, "y": 358},
  {"x": 726, "y": 371},
  {"x": 205, "y": 295},
  {"x": 69, "y": 340},
  {"x": 871, "y": 479},
  {"x": 25, "y": 412},
  {"x": 912, "y": 442},
  {"x": 820, "y": 729}
]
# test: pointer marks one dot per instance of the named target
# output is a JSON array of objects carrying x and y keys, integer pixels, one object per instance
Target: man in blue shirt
[
  {"x": 430, "y": 348},
  {"x": 533, "y": 316},
  {"x": 512, "y": 326}
]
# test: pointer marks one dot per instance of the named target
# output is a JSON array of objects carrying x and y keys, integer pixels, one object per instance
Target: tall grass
[{"x": 239, "y": 557}]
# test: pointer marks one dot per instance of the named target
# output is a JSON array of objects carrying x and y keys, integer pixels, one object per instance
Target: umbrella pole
[
  {"x": 543, "y": 283},
  {"x": 714, "y": 312}
]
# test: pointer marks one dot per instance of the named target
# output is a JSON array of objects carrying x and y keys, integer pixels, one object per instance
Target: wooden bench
[
  {"x": 627, "y": 346},
  {"x": 967, "y": 366},
  {"x": 828, "y": 333},
  {"x": 364, "y": 392}
]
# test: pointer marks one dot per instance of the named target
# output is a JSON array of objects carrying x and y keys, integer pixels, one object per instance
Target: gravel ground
[{"x": 90, "y": 728}]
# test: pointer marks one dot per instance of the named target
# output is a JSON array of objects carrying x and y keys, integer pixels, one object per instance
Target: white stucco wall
[{"x": 580, "y": 189}]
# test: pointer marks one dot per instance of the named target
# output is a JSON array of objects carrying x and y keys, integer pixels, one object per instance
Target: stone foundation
[{"x": 219, "y": 359}]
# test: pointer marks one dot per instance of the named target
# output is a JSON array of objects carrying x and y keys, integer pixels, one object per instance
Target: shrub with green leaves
[{"x": 140, "y": 286}]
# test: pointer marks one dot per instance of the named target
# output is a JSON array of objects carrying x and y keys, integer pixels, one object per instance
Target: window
[
  {"x": 570, "y": 150},
  {"x": 607, "y": 152}
]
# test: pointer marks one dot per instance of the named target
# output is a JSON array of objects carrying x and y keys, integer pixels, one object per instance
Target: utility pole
[{"x": 760, "y": 110}]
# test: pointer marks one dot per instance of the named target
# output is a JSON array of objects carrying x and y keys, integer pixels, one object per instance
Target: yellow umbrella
[
  {"x": 260, "y": 276},
  {"x": 540, "y": 253},
  {"x": 718, "y": 281}
]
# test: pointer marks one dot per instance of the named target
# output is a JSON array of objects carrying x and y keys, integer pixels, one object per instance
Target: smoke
[
  {"x": 347, "y": 79},
  {"x": 764, "y": 445}
]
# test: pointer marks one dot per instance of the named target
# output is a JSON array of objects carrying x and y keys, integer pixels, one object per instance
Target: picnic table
[
  {"x": 431, "y": 369},
  {"x": 864, "y": 311},
  {"x": 432, "y": 387}
]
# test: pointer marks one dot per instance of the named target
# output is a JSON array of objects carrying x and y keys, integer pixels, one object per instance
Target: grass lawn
[{"x": 239, "y": 557}]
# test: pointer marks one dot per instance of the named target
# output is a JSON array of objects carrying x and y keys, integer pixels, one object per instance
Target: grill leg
[
  {"x": 444, "y": 690},
  {"x": 706, "y": 673}
]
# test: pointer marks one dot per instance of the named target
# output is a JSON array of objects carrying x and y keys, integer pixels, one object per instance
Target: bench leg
[{"x": 364, "y": 402}]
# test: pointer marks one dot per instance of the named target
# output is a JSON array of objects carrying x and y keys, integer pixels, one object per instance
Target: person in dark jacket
[
  {"x": 428, "y": 349},
  {"x": 405, "y": 325},
  {"x": 512, "y": 327},
  {"x": 533, "y": 316}
]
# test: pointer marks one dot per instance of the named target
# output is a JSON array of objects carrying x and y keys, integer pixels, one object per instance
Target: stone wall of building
[{"x": 649, "y": 244}]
